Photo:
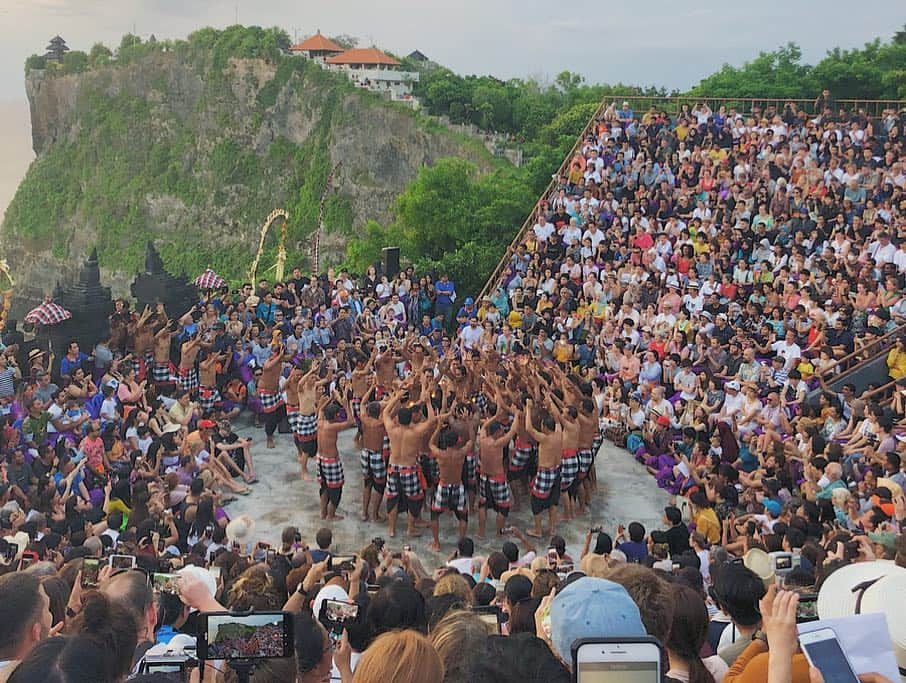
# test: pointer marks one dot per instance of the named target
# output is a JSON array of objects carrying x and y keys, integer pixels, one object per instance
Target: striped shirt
[{"x": 7, "y": 385}]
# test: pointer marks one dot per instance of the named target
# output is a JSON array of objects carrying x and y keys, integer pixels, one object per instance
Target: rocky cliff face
[{"x": 193, "y": 157}]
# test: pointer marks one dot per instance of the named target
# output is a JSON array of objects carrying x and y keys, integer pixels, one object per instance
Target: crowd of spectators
[{"x": 694, "y": 278}]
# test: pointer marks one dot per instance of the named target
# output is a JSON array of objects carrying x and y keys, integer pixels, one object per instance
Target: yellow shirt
[
  {"x": 563, "y": 352},
  {"x": 514, "y": 319},
  {"x": 706, "y": 523}
]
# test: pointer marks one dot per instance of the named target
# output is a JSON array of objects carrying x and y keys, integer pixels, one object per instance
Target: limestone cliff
[{"x": 193, "y": 152}]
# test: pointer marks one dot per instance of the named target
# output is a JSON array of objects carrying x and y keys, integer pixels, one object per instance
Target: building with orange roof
[
  {"x": 316, "y": 47},
  {"x": 373, "y": 70}
]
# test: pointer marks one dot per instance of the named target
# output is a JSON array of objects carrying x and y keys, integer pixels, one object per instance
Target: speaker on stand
[{"x": 390, "y": 261}]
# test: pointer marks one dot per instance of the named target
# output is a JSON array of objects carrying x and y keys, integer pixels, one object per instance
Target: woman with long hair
[
  {"x": 398, "y": 656},
  {"x": 688, "y": 632}
]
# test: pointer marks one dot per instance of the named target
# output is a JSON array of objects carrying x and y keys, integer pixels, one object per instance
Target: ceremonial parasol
[
  {"x": 209, "y": 280},
  {"x": 48, "y": 313}
]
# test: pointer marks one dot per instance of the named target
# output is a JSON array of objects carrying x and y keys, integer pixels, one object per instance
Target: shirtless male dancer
[
  {"x": 493, "y": 489},
  {"x": 187, "y": 378},
  {"x": 161, "y": 371},
  {"x": 545, "y": 488},
  {"x": 330, "y": 467},
  {"x": 208, "y": 394},
  {"x": 273, "y": 407},
  {"x": 374, "y": 456},
  {"x": 447, "y": 449},
  {"x": 304, "y": 420},
  {"x": 404, "y": 488}
]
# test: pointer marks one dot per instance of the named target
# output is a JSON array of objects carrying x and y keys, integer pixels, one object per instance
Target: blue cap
[
  {"x": 772, "y": 507},
  {"x": 592, "y": 608},
  {"x": 469, "y": 301}
]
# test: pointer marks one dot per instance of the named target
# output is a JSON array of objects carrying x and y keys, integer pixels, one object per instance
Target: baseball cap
[
  {"x": 469, "y": 301},
  {"x": 206, "y": 424},
  {"x": 772, "y": 507},
  {"x": 663, "y": 420},
  {"x": 592, "y": 608},
  {"x": 732, "y": 385}
]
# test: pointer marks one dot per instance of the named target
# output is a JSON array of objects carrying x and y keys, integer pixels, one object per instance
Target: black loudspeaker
[{"x": 390, "y": 260}]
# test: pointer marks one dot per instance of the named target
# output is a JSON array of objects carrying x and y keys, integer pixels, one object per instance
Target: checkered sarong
[
  {"x": 430, "y": 469},
  {"x": 374, "y": 467},
  {"x": 356, "y": 410},
  {"x": 330, "y": 473},
  {"x": 470, "y": 471},
  {"x": 450, "y": 497},
  {"x": 521, "y": 458},
  {"x": 494, "y": 493},
  {"x": 544, "y": 482},
  {"x": 585, "y": 461},
  {"x": 208, "y": 398},
  {"x": 305, "y": 427},
  {"x": 160, "y": 372},
  {"x": 569, "y": 468},
  {"x": 480, "y": 400},
  {"x": 270, "y": 400},
  {"x": 405, "y": 481},
  {"x": 187, "y": 380}
]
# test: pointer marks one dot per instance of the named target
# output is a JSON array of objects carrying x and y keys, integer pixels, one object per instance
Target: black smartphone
[
  {"x": 262, "y": 635},
  {"x": 341, "y": 563},
  {"x": 271, "y": 555},
  {"x": 335, "y": 614}
]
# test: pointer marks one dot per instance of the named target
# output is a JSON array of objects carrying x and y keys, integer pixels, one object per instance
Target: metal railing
[
  {"x": 852, "y": 363},
  {"x": 501, "y": 266},
  {"x": 745, "y": 105}
]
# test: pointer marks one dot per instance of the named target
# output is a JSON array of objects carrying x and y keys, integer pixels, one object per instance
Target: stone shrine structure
[{"x": 156, "y": 285}]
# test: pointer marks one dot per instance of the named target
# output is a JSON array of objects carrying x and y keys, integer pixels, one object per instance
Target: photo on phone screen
[
  {"x": 254, "y": 636},
  {"x": 28, "y": 559},
  {"x": 335, "y": 614},
  {"x": 342, "y": 563},
  {"x": 165, "y": 583},
  {"x": 122, "y": 561},
  {"x": 491, "y": 615},
  {"x": 90, "y": 568},
  {"x": 610, "y": 661},
  {"x": 824, "y": 652}
]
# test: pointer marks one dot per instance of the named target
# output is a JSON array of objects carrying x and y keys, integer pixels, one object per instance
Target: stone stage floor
[{"x": 626, "y": 493}]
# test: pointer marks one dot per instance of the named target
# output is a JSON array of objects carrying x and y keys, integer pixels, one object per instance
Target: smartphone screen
[
  {"x": 215, "y": 572},
  {"x": 823, "y": 651},
  {"x": 263, "y": 635},
  {"x": 335, "y": 614},
  {"x": 343, "y": 563},
  {"x": 489, "y": 615},
  {"x": 611, "y": 662},
  {"x": 122, "y": 561},
  {"x": 271, "y": 555},
  {"x": 165, "y": 583},
  {"x": 28, "y": 559},
  {"x": 90, "y": 567}
]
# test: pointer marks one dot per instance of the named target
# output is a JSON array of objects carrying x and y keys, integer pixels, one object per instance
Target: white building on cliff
[{"x": 366, "y": 68}]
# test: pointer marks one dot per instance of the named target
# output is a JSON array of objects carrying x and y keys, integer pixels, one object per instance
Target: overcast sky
[{"x": 654, "y": 42}]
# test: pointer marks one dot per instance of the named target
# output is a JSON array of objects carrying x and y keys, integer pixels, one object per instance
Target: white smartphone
[
  {"x": 633, "y": 660},
  {"x": 122, "y": 561},
  {"x": 824, "y": 652}
]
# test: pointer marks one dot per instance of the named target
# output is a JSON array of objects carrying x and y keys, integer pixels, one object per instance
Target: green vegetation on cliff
[{"x": 192, "y": 143}]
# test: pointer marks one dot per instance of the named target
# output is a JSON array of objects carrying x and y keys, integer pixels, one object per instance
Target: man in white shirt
[
  {"x": 470, "y": 334},
  {"x": 543, "y": 229},
  {"x": 883, "y": 250},
  {"x": 788, "y": 349},
  {"x": 597, "y": 236}
]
